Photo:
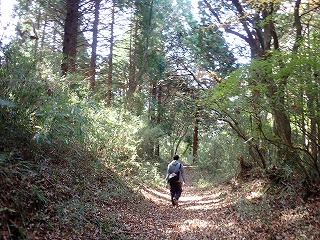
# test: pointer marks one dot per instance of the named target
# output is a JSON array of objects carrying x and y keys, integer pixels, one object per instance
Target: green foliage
[
  {"x": 60, "y": 116},
  {"x": 247, "y": 100},
  {"x": 159, "y": 59},
  {"x": 211, "y": 50},
  {"x": 20, "y": 62},
  {"x": 218, "y": 152},
  {"x": 108, "y": 150},
  {"x": 24, "y": 79}
]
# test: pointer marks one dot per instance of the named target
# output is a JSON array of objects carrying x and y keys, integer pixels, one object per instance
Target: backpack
[{"x": 174, "y": 177}]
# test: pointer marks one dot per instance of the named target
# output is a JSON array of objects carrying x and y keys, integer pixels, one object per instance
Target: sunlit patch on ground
[
  {"x": 293, "y": 215},
  {"x": 224, "y": 212},
  {"x": 194, "y": 225},
  {"x": 253, "y": 195},
  {"x": 190, "y": 198},
  {"x": 202, "y": 205}
]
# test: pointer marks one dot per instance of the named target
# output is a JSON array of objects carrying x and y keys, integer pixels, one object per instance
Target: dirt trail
[
  {"x": 224, "y": 212},
  {"x": 192, "y": 218},
  {"x": 195, "y": 218}
]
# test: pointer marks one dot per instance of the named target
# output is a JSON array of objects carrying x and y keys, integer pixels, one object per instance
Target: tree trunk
[
  {"x": 195, "y": 136},
  {"x": 159, "y": 111},
  {"x": 132, "y": 84},
  {"x": 70, "y": 37},
  {"x": 259, "y": 41},
  {"x": 92, "y": 70},
  {"x": 152, "y": 114},
  {"x": 110, "y": 60}
]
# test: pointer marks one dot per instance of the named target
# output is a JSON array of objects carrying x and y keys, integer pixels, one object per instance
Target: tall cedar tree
[
  {"x": 71, "y": 25},
  {"x": 93, "y": 60}
]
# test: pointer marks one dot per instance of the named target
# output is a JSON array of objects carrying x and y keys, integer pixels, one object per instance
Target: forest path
[
  {"x": 197, "y": 216},
  {"x": 228, "y": 211}
]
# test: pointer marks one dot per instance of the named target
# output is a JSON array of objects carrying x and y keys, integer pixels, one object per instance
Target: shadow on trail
[{"x": 225, "y": 213}]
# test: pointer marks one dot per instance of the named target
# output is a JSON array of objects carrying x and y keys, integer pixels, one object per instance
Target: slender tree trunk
[
  {"x": 36, "y": 28},
  {"x": 298, "y": 25},
  {"x": 132, "y": 84},
  {"x": 110, "y": 60},
  {"x": 93, "y": 60},
  {"x": 70, "y": 37},
  {"x": 195, "y": 136},
  {"x": 159, "y": 111}
]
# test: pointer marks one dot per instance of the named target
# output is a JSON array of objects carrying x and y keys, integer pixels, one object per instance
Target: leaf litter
[{"x": 60, "y": 203}]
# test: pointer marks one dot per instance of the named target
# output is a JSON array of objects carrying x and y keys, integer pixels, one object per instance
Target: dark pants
[{"x": 175, "y": 190}]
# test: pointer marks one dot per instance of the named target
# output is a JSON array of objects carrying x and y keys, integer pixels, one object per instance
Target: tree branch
[
  {"x": 227, "y": 29},
  {"x": 310, "y": 10}
]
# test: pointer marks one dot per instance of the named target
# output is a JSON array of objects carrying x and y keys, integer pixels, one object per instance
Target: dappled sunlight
[
  {"x": 229, "y": 211},
  {"x": 256, "y": 187},
  {"x": 158, "y": 196},
  {"x": 198, "y": 211},
  {"x": 203, "y": 205},
  {"x": 194, "y": 224},
  {"x": 292, "y": 215},
  {"x": 254, "y": 195},
  {"x": 190, "y": 198}
]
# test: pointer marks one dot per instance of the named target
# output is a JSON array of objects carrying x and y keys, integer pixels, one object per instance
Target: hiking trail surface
[
  {"x": 83, "y": 203},
  {"x": 231, "y": 211}
]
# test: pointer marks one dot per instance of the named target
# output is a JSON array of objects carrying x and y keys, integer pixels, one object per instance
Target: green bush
[{"x": 218, "y": 153}]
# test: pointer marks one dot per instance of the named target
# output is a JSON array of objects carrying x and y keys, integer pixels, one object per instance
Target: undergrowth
[
  {"x": 63, "y": 157},
  {"x": 58, "y": 196},
  {"x": 53, "y": 182}
]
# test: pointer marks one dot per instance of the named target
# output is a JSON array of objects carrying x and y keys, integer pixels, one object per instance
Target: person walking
[{"x": 175, "y": 178}]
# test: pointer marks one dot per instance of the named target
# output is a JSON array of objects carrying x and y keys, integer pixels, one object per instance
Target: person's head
[{"x": 176, "y": 157}]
